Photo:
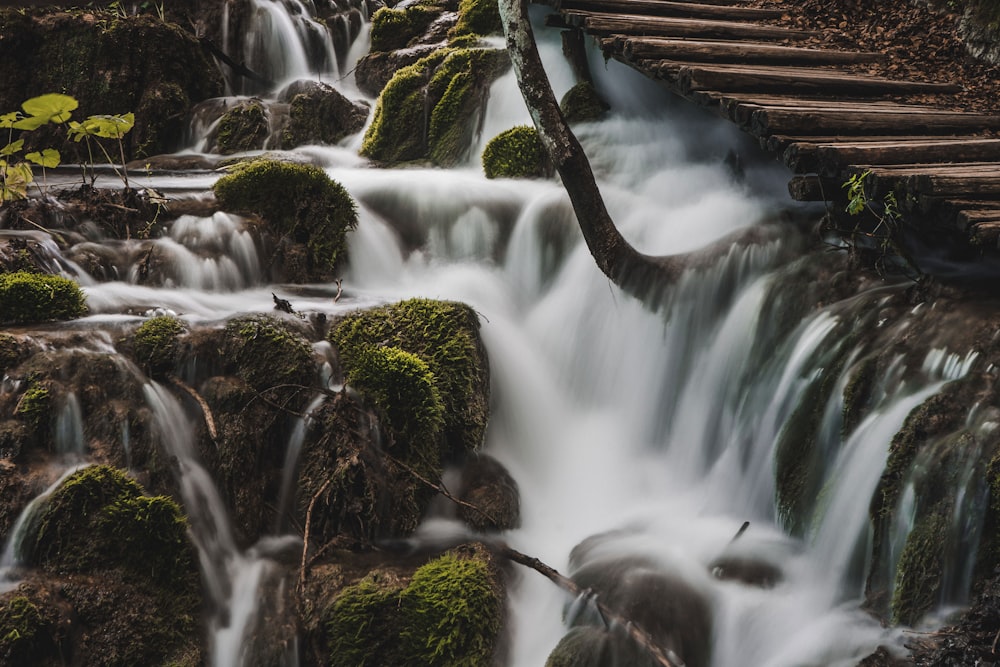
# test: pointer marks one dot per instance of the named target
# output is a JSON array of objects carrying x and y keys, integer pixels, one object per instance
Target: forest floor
[{"x": 920, "y": 42}]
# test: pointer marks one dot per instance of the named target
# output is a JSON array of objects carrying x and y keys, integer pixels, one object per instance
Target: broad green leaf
[
  {"x": 12, "y": 147},
  {"x": 30, "y": 123},
  {"x": 8, "y": 119},
  {"x": 53, "y": 107},
  {"x": 15, "y": 180},
  {"x": 110, "y": 127},
  {"x": 48, "y": 158}
]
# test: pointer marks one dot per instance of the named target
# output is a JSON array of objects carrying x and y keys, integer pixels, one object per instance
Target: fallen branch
[
  {"x": 238, "y": 68},
  {"x": 440, "y": 488},
  {"x": 305, "y": 533},
  {"x": 205, "y": 410}
]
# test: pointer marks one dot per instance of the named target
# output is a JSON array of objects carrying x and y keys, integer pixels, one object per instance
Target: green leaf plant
[
  {"x": 104, "y": 127},
  {"x": 885, "y": 213},
  {"x": 16, "y": 175}
]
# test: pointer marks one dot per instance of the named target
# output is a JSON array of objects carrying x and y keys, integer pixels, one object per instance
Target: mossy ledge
[
  {"x": 301, "y": 205},
  {"x": 156, "y": 344}
]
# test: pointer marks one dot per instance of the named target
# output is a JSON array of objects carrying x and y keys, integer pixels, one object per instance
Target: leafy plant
[
  {"x": 884, "y": 234},
  {"x": 17, "y": 175},
  {"x": 105, "y": 127}
]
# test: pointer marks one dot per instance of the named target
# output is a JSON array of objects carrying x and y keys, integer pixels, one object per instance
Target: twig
[
  {"x": 305, "y": 533},
  {"x": 51, "y": 233},
  {"x": 637, "y": 634},
  {"x": 440, "y": 488},
  {"x": 205, "y": 410},
  {"x": 739, "y": 533}
]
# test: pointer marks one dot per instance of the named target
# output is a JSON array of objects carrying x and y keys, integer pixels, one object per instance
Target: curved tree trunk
[{"x": 636, "y": 273}]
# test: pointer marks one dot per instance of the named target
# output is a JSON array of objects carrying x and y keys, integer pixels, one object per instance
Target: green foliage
[
  {"x": 34, "y": 297},
  {"x": 881, "y": 231},
  {"x": 402, "y": 387},
  {"x": 15, "y": 177},
  {"x": 478, "y": 17},
  {"x": 516, "y": 153},
  {"x": 298, "y": 201},
  {"x": 398, "y": 131},
  {"x": 34, "y": 404},
  {"x": 104, "y": 127},
  {"x": 445, "y": 335},
  {"x": 359, "y": 627},
  {"x": 451, "y": 614},
  {"x": 582, "y": 104},
  {"x": 393, "y": 29},
  {"x": 242, "y": 128},
  {"x": 156, "y": 344},
  {"x": 264, "y": 353},
  {"x": 99, "y": 519}
]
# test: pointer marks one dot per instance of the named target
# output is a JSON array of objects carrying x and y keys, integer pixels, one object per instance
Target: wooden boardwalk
[{"x": 810, "y": 107}]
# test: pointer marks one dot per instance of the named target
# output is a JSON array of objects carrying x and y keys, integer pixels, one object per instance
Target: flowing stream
[{"x": 659, "y": 424}]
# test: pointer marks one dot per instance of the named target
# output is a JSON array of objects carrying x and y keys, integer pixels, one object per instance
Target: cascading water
[{"x": 658, "y": 427}]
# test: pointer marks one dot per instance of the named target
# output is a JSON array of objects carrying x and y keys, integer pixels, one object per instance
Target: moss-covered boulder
[
  {"x": 920, "y": 570},
  {"x": 488, "y": 487},
  {"x": 12, "y": 351},
  {"x": 36, "y": 297},
  {"x": 516, "y": 153},
  {"x": 582, "y": 103},
  {"x": 478, "y": 17},
  {"x": 319, "y": 114},
  {"x": 450, "y": 613},
  {"x": 25, "y": 634},
  {"x": 245, "y": 127},
  {"x": 394, "y": 28},
  {"x": 454, "y": 85},
  {"x": 111, "y": 64},
  {"x": 156, "y": 344},
  {"x": 305, "y": 210},
  {"x": 445, "y": 335},
  {"x": 266, "y": 352}
]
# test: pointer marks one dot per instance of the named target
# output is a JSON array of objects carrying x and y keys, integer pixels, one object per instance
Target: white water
[{"x": 609, "y": 415}]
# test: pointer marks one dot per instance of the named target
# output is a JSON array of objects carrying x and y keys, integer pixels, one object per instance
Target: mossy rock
[
  {"x": 582, "y": 103},
  {"x": 453, "y": 84},
  {"x": 111, "y": 64},
  {"x": 319, "y": 113},
  {"x": 516, "y": 153},
  {"x": 243, "y": 128},
  {"x": 393, "y": 29},
  {"x": 37, "y": 297},
  {"x": 156, "y": 344},
  {"x": 487, "y": 486},
  {"x": 12, "y": 352},
  {"x": 24, "y": 632},
  {"x": 403, "y": 389},
  {"x": 478, "y": 17},
  {"x": 34, "y": 405},
  {"x": 265, "y": 352},
  {"x": 443, "y": 334},
  {"x": 450, "y": 614},
  {"x": 99, "y": 519},
  {"x": 920, "y": 569},
  {"x": 300, "y": 204}
]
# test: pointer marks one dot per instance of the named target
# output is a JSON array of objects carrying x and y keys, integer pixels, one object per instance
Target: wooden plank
[
  {"x": 675, "y": 27},
  {"x": 833, "y": 158},
  {"x": 813, "y": 188},
  {"x": 763, "y": 79},
  {"x": 743, "y": 113},
  {"x": 667, "y": 8},
  {"x": 955, "y": 184},
  {"x": 876, "y": 121},
  {"x": 740, "y": 52},
  {"x": 985, "y": 233}
]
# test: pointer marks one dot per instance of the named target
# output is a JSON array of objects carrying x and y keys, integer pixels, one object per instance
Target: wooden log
[
  {"x": 745, "y": 53},
  {"x": 666, "y": 8},
  {"x": 875, "y": 121},
  {"x": 986, "y": 234},
  {"x": 763, "y": 79},
  {"x": 834, "y": 158},
  {"x": 742, "y": 113},
  {"x": 967, "y": 220},
  {"x": 948, "y": 208},
  {"x": 812, "y": 188},
  {"x": 955, "y": 184},
  {"x": 605, "y": 24}
]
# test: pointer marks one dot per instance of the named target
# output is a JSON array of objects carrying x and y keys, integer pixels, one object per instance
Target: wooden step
[
  {"x": 623, "y": 24},
  {"x": 875, "y": 121},
  {"x": 741, "y": 52},
  {"x": 834, "y": 158},
  {"x": 666, "y": 8}
]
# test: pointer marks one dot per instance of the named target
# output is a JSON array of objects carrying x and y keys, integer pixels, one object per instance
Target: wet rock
[
  {"x": 156, "y": 344},
  {"x": 582, "y": 104},
  {"x": 376, "y": 69},
  {"x": 243, "y": 128},
  {"x": 516, "y": 153},
  {"x": 318, "y": 113},
  {"x": 488, "y": 486},
  {"x": 396, "y": 28}
]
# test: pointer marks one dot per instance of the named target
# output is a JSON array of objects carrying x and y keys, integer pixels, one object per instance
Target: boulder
[{"x": 319, "y": 114}]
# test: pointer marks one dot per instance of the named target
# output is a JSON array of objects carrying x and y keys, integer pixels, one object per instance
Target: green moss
[
  {"x": 35, "y": 297},
  {"x": 453, "y": 84},
  {"x": 857, "y": 393},
  {"x": 918, "y": 575},
  {"x": 393, "y": 29},
  {"x": 403, "y": 388},
  {"x": 299, "y": 202},
  {"x": 34, "y": 404},
  {"x": 451, "y": 614},
  {"x": 150, "y": 533},
  {"x": 516, "y": 153},
  {"x": 582, "y": 104},
  {"x": 478, "y": 17},
  {"x": 264, "y": 352},
  {"x": 242, "y": 128},
  {"x": 360, "y": 625},
  {"x": 156, "y": 344},
  {"x": 22, "y": 629},
  {"x": 443, "y": 334}
]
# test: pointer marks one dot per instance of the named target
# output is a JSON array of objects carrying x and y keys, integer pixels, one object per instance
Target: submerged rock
[
  {"x": 487, "y": 486},
  {"x": 243, "y": 128}
]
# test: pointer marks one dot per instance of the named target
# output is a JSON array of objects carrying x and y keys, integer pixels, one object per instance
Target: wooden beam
[
  {"x": 666, "y": 8},
  {"x": 812, "y": 188},
  {"x": 834, "y": 158},
  {"x": 875, "y": 121},
  {"x": 604, "y": 24},
  {"x": 763, "y": 79}
]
